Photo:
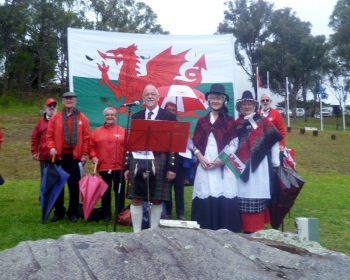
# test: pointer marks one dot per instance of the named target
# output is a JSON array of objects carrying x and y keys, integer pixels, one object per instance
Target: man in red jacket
[
  {"x": 67, "y": 137},
  {"x": 38, "y": 148},
  {"x": 275, "y": 118}
]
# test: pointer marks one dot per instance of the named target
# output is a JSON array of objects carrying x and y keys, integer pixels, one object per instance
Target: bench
[{"x": 308, "y": 128}]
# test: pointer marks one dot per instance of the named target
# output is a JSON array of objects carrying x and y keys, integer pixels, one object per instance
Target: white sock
[
  {"x": 136, "y": 217},
  {"x": 156, "y": 213}
]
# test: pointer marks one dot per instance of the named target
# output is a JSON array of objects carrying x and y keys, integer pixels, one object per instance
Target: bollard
[
  {"x": 289, "y": 129},
  {"x": 308, "y": 228},
  {"x": 333, "y": 137},
  {"x": 315, "y": 132},
  {"x": 302, "y": 130}
]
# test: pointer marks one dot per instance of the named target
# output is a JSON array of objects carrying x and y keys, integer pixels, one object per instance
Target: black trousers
[
  {"x": 178, "y": 183},
  {"x": 71, "y": 166},
  {"x": 110, "y": 178}
]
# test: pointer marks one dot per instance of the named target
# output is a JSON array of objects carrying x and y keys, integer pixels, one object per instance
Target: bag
[
  {"x": 140, "y": 181},
  {"x": 124, "y": 218},
  {"x": 2, "y": 181},
  {"x": 145, "y": 218}
]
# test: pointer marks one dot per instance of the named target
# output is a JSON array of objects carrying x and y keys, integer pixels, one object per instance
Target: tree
[
  {"x": 12, "y": 34},
  {"x": 33, "y": 50},
  {"x": 340, "y": 40},
  {"x": 292, "y": 52},
  {"x": 248, "y": 24},
  {"x": 124, "y": 16}
]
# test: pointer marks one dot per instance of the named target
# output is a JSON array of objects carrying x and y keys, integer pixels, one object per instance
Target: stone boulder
[{"x": 172, "y": 253}]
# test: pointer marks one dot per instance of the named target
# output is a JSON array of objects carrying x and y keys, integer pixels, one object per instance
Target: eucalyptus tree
[
  {"x": 248, "y": 22},
  {"x": 124, "y": 16},
  {"x": 340, "y": 39},
  {"x": 12, "y": 36},
  {"x": 291, "y": 51}
]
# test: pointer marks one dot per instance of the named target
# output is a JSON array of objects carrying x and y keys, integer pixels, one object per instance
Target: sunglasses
[
  {"x": 52, "y": 105},
  {"x": 265, "y": 100}
]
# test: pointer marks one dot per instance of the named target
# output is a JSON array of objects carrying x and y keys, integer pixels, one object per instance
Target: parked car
[
  {"x": 281, "y": 110},
  {"x": 300, "y": 112},
  {"x": 289, "y": 112},
  {"x": 326, "y": 112}
]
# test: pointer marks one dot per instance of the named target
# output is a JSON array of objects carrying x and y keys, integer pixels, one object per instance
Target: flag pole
[
  {"x": 343, "y": 106},
  {"x": 257, "y": 82},
  {"x": 287, "y": 101},
  {"x": 321, "y": 115}
]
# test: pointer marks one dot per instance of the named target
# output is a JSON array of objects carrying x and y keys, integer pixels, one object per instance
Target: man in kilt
[{"x": 161, "y": 169}]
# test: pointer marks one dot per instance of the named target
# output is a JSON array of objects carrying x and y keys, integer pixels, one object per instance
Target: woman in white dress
[
  {"x": 258, "y": 149},
  {"x": 214, "y": 200}
]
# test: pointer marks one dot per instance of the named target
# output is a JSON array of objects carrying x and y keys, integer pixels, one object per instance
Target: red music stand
[{"x": 160, "y": 136}]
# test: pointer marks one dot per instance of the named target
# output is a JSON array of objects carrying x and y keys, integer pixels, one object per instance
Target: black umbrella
[{"x": 286, "y": 187}]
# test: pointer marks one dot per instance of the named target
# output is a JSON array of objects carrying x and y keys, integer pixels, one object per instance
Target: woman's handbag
[{"x": 124, "y": 218}]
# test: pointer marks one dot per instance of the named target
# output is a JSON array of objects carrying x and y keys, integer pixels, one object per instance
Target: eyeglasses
[
  {"x": 265, "y": 100},
  {"x": 52, "y": 105},
  {"x": 110, "y": 115},
  {"x": 150, "y": 94}
]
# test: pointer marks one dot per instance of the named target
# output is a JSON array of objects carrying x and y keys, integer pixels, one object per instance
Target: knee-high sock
[
  {"x": 136, "y": 216},
  {"x": 156, "y": 212}
]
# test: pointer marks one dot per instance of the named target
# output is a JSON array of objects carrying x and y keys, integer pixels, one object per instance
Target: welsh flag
[
  {"x": 111, "y": 69},
  {"x": 232, "y": 161}
]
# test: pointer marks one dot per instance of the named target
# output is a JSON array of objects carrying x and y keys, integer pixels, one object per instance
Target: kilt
[{"x": 159, "y": 187}]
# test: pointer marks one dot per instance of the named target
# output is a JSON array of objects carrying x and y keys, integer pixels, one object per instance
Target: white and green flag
[{"x": 111, "y": 69}]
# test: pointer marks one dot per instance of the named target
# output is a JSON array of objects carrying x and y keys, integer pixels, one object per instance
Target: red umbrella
[
  {"x": 92, "y": 188},
  {"x": 186, "y": 98}
]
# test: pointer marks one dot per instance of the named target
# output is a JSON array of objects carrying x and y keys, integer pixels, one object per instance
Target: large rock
[{"x": 169, "y": 253}]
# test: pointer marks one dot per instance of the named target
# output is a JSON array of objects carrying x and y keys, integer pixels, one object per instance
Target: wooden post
[
  {"x": 302, "y": 130},
  {"x": 315, "y": 132},
  {"x": 333, "y": 137},
  {"x": 289, "y": 129}
]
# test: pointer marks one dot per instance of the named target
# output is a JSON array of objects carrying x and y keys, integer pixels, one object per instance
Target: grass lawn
[{"x": 321, "y": 161}]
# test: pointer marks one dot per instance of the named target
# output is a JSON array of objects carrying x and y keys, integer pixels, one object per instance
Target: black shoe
[
  {"x": 56, "y": 218},
  {"x": 73, "y": 219}
]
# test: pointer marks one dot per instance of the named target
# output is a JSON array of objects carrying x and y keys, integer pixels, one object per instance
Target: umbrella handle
[
  {"x": 95, "y": 166},
  {"x": 53, "y": 158}
]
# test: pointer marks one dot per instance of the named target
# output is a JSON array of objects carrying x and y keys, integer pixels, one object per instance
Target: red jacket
[
  {"x": 55, "y": 135},
  {"x": 107, "y": 144},
  {"x": 276, "y": 119},
  {"x": 39, "y": 139}
]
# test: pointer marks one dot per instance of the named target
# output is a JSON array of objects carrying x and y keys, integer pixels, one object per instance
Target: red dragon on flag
[{"x": 162, "y": 70}]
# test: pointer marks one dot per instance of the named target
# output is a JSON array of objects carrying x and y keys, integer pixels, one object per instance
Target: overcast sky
[{"x": 202, "y": 17}]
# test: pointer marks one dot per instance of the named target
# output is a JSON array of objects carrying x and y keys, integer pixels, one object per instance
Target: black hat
[
  {"x": 69, "y": 94},
  {"x": 217, "y": 89},
  {"x": 246, "y": 96}
]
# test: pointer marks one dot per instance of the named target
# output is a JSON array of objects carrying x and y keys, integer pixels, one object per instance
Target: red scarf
[
  {"x": 223, "y": 129},
  {"x": 255, "y": 144}
]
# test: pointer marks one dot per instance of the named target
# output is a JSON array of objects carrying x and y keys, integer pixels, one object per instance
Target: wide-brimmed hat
[
  {"x": 217, "y": 89},
  {"x": 69, "y": 94},
  {"x": 246, "y": 96},
  {"x": 50, "y": 100}
]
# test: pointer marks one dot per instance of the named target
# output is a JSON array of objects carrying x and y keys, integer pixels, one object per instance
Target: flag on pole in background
[
  {"x": 111, "y": 68},
  {"x": 259, "y": 80},
  {"x": 321, "y": 92},
  {"x": 232, "y": 161}
]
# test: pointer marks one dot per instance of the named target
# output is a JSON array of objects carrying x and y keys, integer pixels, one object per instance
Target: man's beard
[{"x": 50, "y": 113}]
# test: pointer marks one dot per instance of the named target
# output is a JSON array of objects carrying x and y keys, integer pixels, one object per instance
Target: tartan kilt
[{"x": 159, "y": 188}]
